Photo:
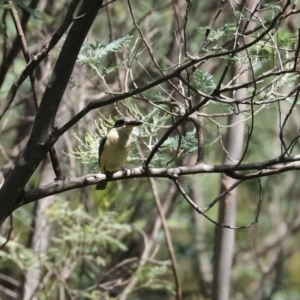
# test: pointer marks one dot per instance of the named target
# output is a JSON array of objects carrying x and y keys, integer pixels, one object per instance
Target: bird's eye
[{"x": 119, "y": 123}]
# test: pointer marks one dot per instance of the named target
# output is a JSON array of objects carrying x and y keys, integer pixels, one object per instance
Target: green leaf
[{"x": 203, "y": 81}]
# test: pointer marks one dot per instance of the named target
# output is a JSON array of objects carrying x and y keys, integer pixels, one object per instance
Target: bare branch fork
[{"x": 202, "y": 211}]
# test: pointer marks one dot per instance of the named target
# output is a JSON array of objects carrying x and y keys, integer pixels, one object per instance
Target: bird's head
[{"x": 126, "y": 124}]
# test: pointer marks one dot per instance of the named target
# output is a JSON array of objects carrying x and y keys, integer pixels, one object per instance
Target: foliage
[
  {"x": 93, "y": 55},
  {"x": 152, "y": 277},
  {"x": 16, "y": 254},
  {"x": 80, "y": 240},
  {"x": 221, "y": 32},
  {"x": 203, "y": 81}
]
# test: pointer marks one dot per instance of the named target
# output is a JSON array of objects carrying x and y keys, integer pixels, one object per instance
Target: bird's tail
[{"x": 101, "y": 185}]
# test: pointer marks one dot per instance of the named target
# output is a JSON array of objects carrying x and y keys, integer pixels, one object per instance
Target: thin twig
[
  {"x": 36, "y": 59},
  {"x": 200, "y": 138},
  {"x": 170, "y": 130},
  {"x": 201, "y": 212},
  {"x": 221, "y": 195},
  {"x": 9, "y": 232},
  {"x": 34, "y": 83},
  {"x": 167, "y": 238},
  {"x": 285, "y": 121}
]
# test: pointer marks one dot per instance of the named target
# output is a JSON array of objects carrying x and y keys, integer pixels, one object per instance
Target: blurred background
[{"x": 114, "y": 244}]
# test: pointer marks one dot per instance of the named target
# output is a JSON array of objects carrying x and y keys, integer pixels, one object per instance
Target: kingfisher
[{"x": 115, "y": 146}]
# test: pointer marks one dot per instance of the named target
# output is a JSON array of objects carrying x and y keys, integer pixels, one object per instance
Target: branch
[
  {"x": 201, "y": 212},
  {"x": 60, "y": 186},
  {"x": 200, "y": 138},
  {"x": 14, "y": 50}
]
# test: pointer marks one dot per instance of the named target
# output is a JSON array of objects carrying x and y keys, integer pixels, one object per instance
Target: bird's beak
[{"x": 134, "y": 123}]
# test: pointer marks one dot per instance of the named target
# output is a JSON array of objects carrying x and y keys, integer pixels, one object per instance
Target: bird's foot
[
  {"x": 126, "y": 171},
  {"x": 101, "y": 185}
]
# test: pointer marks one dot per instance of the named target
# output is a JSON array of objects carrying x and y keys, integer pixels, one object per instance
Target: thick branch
[
  {"x": 38, "y": 144},
  {"x": 266, "y": 168}
]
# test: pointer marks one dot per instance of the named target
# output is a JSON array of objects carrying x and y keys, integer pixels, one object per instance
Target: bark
[{"x": 225, "y": 238}]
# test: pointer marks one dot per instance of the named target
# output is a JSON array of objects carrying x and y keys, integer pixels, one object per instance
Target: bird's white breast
[{"x": 115, "y": 150}]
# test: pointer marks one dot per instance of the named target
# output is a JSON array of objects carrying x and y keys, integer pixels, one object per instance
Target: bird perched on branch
[{"x": 115, "y": 146}]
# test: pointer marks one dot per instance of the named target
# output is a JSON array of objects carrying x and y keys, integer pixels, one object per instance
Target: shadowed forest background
[{"x": 210, "y": 208}]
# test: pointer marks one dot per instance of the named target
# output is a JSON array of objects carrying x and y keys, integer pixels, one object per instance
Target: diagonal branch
[
  {"x": 38, "y": 144},
  {"x": 201, "y": 212},
  {"x": 14, "y": 50},
  {"x": 167, "y": 238},
  {"x": 33, "y": 81},
  {"x": 36, "y": 59}
]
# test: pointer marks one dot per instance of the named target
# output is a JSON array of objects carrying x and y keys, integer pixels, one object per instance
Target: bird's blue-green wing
[{"x": 101, "y": 146}]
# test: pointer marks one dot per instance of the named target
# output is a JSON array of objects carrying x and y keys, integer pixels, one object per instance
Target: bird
[{"x": 115, "y": 146}]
